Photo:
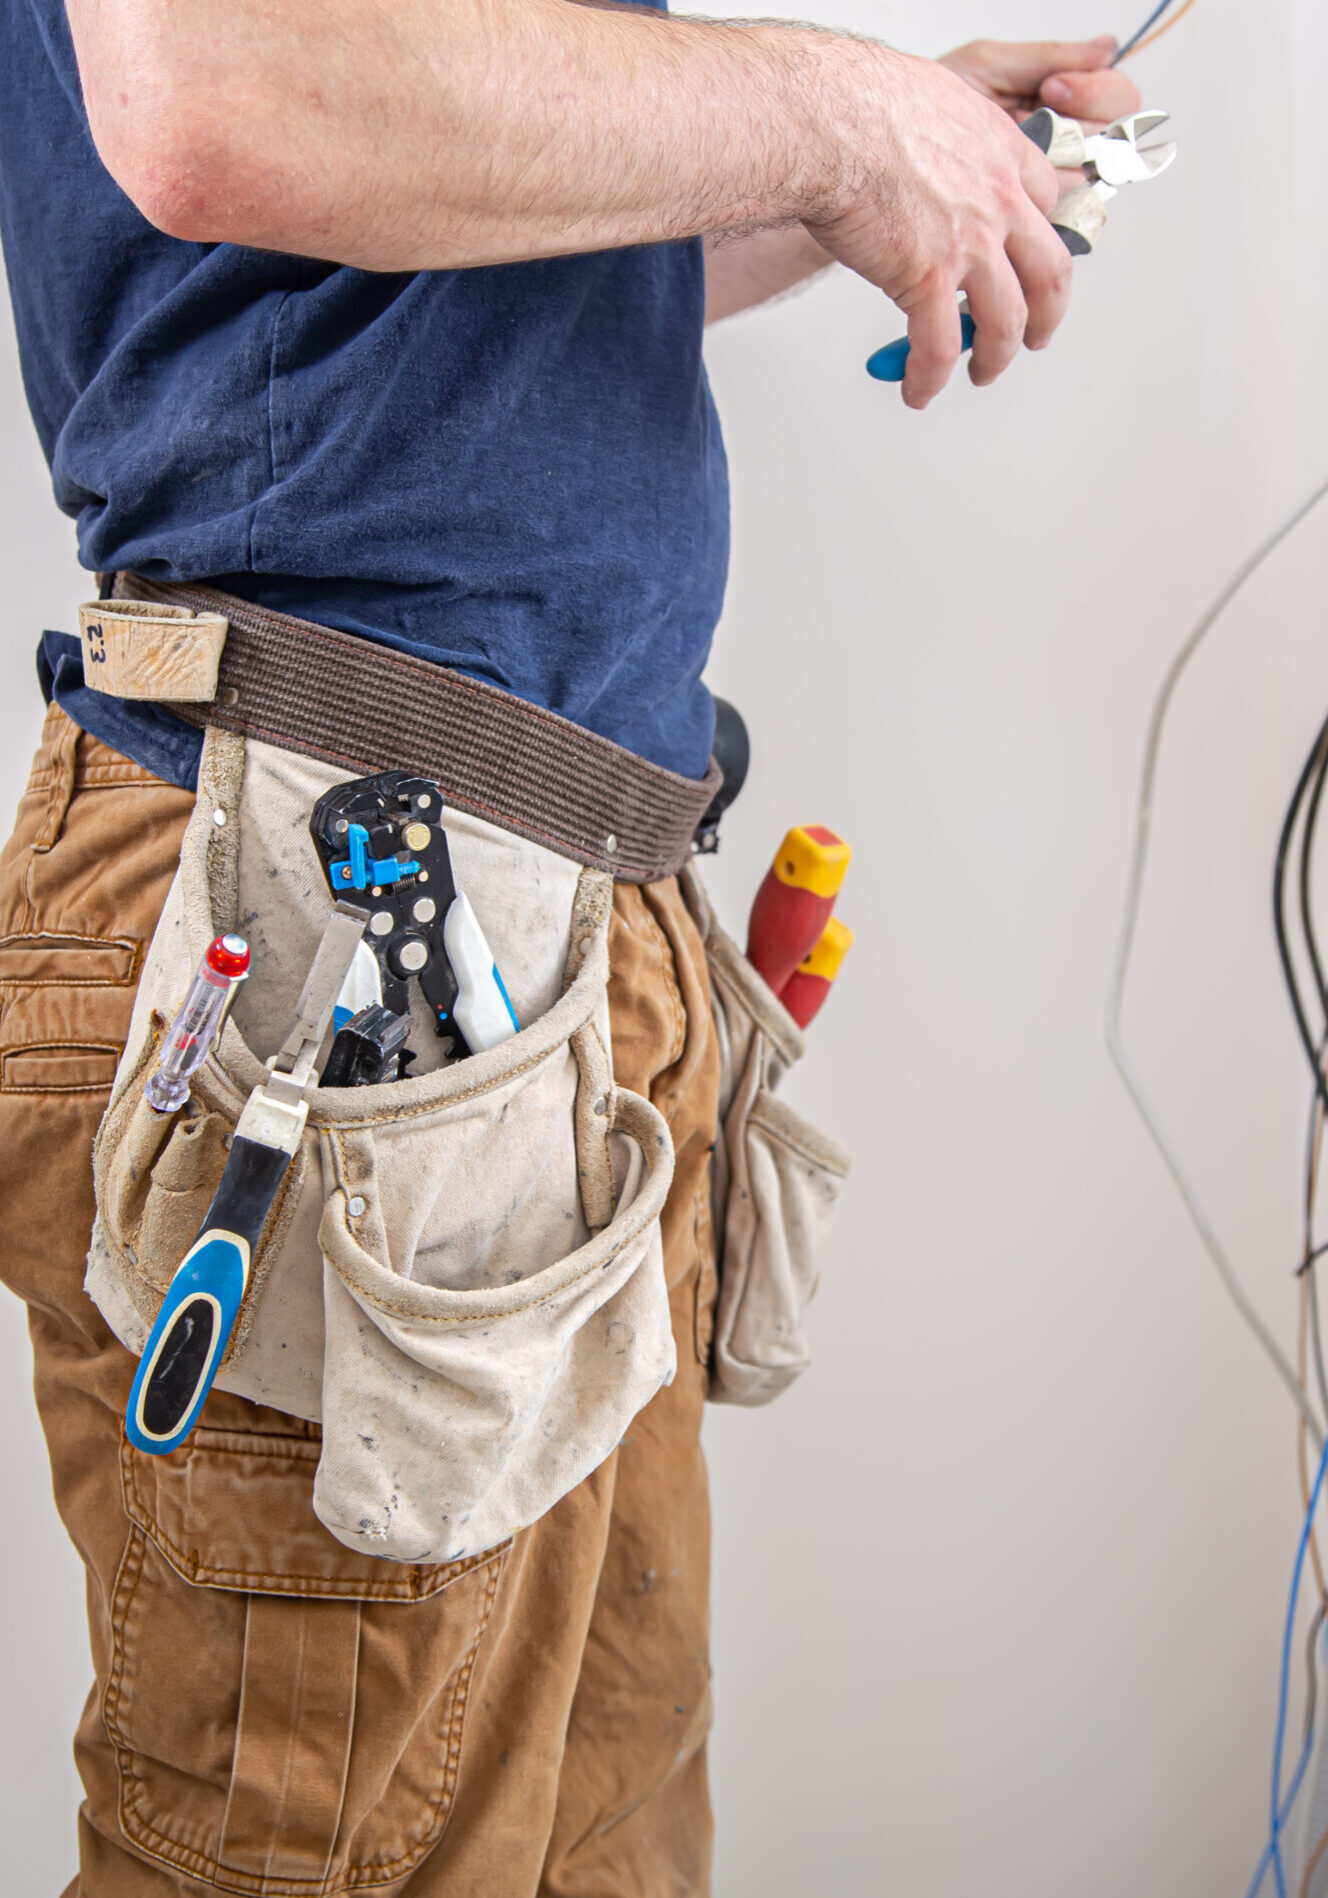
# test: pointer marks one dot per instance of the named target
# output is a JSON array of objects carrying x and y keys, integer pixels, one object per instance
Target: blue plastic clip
[{"x": 358, "y": 870}]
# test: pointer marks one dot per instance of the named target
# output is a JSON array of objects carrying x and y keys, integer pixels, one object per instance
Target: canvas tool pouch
[
  {"x": 776, "y": 1178},
  {"x": 461, "y": 1278}
]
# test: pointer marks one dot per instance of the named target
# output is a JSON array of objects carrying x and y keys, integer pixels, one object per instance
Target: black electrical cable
[
  {"x": 1311, "y": 765},
  {"x": 1129, "y": 924},
  {"x": 1154, "y": 16},
  {"x": 1306, "y": 897}
]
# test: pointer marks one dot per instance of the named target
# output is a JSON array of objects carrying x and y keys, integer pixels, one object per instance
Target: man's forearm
[
  {"x": 473, "y": 132},
  {"x": 440, "y": 134}
]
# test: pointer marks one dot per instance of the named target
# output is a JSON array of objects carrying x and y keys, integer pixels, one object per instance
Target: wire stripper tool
[{"x": 381, "y": 839}]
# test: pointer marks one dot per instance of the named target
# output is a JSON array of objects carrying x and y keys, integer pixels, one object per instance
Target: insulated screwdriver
[
  {"x": 794, "y": 903},
  {"x": 809, "y": 984}
]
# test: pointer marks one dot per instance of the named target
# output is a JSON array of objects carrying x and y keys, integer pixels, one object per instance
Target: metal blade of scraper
[{"x": 294, "y": 1065}]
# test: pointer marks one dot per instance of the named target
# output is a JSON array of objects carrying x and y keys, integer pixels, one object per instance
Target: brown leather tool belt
[{"x": 367, "y": 708}]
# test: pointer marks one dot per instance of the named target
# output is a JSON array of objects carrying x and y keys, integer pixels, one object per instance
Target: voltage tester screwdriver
[{"x": 224, "y": 966}]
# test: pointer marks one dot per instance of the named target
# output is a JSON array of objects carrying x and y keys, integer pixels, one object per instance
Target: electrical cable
[
  {"x": 1138, "y": 45},
  {"x": 1306, "y": 895},
  {"x": 1308, "y": 1318},
  {"x": 1310, "y": 1253},
  {"x": 1136, "y": 39},
  {"x": 1288, "y": 1805},
  {"x": 1311, "y": 1710},
  {"x": 1302, "y": 1439},
  {"x": 1312, "y": 1866},
  {"x": 1316, "y": 1332},
  {"x": 1276, "y": 1816},
  {"x": 1129, "y": 924},
  {"x": 1312, "y": 1671},
  {"x": 1316, "y": 762}
]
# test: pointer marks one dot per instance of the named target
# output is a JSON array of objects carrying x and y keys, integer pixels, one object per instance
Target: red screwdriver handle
[{"x": 795, "y": 901}]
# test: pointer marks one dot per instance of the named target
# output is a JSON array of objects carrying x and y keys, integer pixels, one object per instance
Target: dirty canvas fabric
[
  {"x": 462, "y": 1278},
  {"x": 274, "y": 1713}
]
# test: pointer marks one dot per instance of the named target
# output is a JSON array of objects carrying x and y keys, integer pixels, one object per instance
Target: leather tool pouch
[
  {"x": 776, "y": 1178},
  {"x": 461, "y": 1279}
]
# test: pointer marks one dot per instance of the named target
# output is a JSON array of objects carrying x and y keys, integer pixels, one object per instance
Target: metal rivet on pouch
[
  {"x": 601, "y": 1105},
  {"x": 219, "y": 817},
  {"x": 229, "y": 695},
  {"x": 610, "y": 843},
  {"x": 355, "y": 1206}
]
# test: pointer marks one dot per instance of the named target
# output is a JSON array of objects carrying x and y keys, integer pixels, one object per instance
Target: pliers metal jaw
[{"x": 1109, "y": 159}]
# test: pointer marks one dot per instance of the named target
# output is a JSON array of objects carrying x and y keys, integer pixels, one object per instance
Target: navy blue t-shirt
[{"x": 515, "y": 470}]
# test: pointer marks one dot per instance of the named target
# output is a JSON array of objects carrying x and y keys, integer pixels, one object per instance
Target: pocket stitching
[
  {"x": 385, "y": 1873},
  {"x": 191, "y": 1569},
  {"x": 36, "y": 936},
  {"x": 59, "y": 1047},
  {"x": 176, "y": 1855}
]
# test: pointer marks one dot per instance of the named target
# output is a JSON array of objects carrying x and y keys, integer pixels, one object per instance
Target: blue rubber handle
[
  {"x": 887, "y": 365},
  {"x": 189, "y": 1337},
  {"x": 180, "y": 1358}
]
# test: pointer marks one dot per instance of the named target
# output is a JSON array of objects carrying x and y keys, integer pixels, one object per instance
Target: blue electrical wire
[
  {"x": 1302, "y": 1766},
  {"x": 1280, "y": 1809},
  {"x": 1135, "y": 38}
]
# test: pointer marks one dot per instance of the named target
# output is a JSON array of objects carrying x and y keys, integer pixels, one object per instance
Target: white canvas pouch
[
  {"x": 775, "y": 1180},
  {"x": 461, "y": 1279}
]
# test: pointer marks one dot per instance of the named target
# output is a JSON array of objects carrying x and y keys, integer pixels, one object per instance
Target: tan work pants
[{"x": 536, "y": 1727}]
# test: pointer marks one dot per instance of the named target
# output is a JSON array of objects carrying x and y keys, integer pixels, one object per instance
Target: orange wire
[{"x": 1165, "y": 27}]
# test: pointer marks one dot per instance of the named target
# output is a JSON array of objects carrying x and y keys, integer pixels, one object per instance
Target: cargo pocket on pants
[
  {"x": 287, "y": 1716},
  {"x": 776, "y": 1179}
]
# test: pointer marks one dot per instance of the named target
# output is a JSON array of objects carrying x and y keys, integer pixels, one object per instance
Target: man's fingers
[
  {"x": 1038, "y": 176},
  {"x": 999, "y": 315},
  {"x": 1021, "y": 67},
  {"x": 1091, "y": 95},
  {"x": 1045, "y": 271},
  {"x": 933, "y": 336}
]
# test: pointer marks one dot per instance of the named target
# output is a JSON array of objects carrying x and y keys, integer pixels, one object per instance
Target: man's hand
[
  {"x": 1020, "y": 295},
  {"x": 951, "y": 197},
  {"x": 1075, "y": 78}
]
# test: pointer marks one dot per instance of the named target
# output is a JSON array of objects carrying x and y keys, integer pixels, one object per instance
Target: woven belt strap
[{"x": 367, "y": 708}]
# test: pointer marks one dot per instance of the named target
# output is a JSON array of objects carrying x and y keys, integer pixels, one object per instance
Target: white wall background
[{"x": 999, "y": 1586}]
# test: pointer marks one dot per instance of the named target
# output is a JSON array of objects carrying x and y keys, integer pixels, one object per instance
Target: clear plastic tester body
[{"x": 225, "y": 963}]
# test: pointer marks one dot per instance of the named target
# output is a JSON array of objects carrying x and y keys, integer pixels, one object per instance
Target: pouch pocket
[
  {"x": 317, "y": 1752},
  {"x": 461, "y": 1278},
  {"x": 776, "y": 1178}
]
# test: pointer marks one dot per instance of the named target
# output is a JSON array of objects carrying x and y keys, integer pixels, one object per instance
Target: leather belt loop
[{"x": 367, "y": 708}]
